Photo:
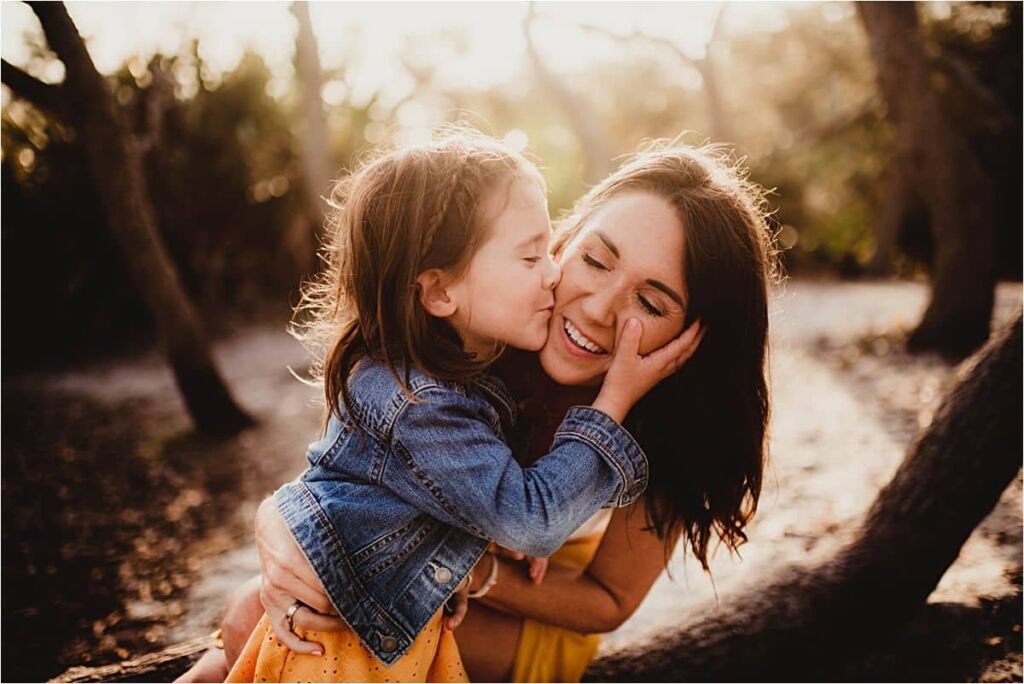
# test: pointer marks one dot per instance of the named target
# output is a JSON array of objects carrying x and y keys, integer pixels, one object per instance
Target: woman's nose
[
  {"x": 552, "y": 274},
  {"x": 599, "y": 307}
]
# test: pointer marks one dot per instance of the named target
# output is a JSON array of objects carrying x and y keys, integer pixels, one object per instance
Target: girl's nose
[{"x": 552, "y": 274}]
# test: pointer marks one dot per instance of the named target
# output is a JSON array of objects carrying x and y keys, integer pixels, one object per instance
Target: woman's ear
[{"x": 433, "y": 293}]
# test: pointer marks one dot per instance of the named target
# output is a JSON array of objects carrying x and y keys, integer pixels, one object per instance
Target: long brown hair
[
  {"x": 397, "y": 215},
  {"x": 704, "y": 428}
]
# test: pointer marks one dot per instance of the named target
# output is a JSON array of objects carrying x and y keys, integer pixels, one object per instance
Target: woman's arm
[
  {"x": 287, "y": 577},
  {"x": 597, "y": 599}
]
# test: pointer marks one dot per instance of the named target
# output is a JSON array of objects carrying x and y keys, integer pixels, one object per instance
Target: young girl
[{"x": 439, "y": 260}]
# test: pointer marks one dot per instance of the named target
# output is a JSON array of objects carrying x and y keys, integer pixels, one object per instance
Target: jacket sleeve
[{"x": 449, "y": 463}]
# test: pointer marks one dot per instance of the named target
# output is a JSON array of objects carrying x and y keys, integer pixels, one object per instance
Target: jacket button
[
  {"x": 388, "y": 644},
  {"x": 442, "y": 575}
]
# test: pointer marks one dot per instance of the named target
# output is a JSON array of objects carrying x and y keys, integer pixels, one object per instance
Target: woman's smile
[{"x": 578, "y": 342}]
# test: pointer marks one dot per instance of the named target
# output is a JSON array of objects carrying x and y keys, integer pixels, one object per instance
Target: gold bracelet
[{"x": 492, "y": 579}]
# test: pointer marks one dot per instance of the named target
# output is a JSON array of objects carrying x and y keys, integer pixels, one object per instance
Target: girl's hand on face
[
  {"x": 288, "y": 577},
  {"x": 631, "y": 375}
]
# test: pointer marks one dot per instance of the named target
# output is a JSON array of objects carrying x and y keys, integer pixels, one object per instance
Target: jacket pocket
[{"x": 386, "y": 551}]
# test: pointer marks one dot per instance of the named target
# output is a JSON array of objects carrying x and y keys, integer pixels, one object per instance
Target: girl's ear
[{"x": 433, "y": 292}]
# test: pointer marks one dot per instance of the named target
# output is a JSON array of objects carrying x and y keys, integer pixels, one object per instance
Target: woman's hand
[
  {"x": 538, "y": 566},
  {"x": 631, "y": 375},
  {"x": 287, "y": 577},
  {"x": 457, "y": 605}
]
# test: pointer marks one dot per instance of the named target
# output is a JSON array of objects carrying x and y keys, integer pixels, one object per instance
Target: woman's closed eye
[
  {"x": 593, "y": 263},
  {"x": 649, "y": 307},
  {"x": 533, "y": 260}
]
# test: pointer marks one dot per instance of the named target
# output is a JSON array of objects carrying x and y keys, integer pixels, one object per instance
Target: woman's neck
[{"x": 541, "y": 401}]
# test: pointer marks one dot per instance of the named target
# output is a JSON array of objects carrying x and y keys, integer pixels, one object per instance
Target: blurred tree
[
  {"x": 722, "y": 129},
  {"x": 802, "y": 624},
  {"x": 314, "y": 147},
  {"x": 85, "y": 100},
  {"x": 592, "y": 137},
  {"x": 937, "y": 161}
]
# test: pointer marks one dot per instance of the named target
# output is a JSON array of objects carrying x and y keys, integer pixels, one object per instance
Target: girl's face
[
  {"x": 506, "y": 295},
  {"x": 625, "y": 262}
]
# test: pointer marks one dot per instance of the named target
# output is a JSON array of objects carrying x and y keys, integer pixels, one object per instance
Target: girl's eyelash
[
  {"x": 593, "y": 263},
  {"x": 650, "y": 308},
  {"x": 532, "y": 260}
]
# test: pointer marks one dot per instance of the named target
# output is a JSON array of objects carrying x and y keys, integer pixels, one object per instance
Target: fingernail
[{"x": 318, "y": 652}]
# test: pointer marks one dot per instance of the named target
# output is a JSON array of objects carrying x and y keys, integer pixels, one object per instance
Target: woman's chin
[{"x": 570, "y": 372}]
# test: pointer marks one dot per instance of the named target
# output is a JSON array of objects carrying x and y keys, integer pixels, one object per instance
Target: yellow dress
[
  {"x": 433, "y": 657},
  {"x": 552, "y": 654}
]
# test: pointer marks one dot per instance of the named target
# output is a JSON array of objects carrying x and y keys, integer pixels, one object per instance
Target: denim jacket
[{"x": 393, "y": 516}]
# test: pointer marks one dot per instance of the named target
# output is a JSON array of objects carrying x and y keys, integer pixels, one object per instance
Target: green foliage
[
  {"x": 223, "y": 179},
  {"x": 799, "y": 98}
]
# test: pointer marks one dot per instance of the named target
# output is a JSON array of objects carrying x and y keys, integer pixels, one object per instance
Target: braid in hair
[{"x": 444, "y": 202}]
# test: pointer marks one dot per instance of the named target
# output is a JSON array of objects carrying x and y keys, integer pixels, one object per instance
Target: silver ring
[{"x": 290, "y": 615}]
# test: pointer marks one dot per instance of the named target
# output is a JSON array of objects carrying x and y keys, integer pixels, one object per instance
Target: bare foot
[{"x": 212, "y": 667}]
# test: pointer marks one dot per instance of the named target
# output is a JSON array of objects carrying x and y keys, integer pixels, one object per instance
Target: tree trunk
[
  {"x": 314, "y": 140},
  {"x": 721, "y": 121},
  {"x": 945, "y": 171},
  {"x": 808, "y": 619},
  {"x": 721, "y": 129},
  {"x": 887, "y": 227},
  {"x": 596, "y": 157},
  {"x": 116, "y": 166}
]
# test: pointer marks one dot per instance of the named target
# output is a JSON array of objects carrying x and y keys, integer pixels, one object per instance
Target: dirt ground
[{"x": 124, "y": 531}]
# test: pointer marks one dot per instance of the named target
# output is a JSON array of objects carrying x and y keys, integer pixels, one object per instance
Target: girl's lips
[{"x": 572, "y": 347}]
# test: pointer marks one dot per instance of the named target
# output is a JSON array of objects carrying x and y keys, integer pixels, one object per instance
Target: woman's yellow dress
[
  {"x": 433, "y": 657},
  {"x": 552, "y": 654},
  {"x": 544, "y": 654}
]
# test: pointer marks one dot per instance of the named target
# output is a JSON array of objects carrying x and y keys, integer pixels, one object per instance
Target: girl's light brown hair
[
  {"x": 704, "y": 428},
  {"x": 397, "y": 215}
]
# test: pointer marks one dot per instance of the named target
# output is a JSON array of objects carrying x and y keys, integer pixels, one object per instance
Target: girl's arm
[
  {"x": 450, "y": 465},
  {"x": 597, "y": 599}
]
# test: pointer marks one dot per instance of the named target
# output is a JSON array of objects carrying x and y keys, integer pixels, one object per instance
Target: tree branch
[
  {"x": 82, "y": 78},
  {"x": 43, "y": 95},
  {"x": 639, "y": 37}
]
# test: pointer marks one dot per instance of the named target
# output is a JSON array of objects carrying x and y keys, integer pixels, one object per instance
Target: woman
[{"x": 675, "y": 235}]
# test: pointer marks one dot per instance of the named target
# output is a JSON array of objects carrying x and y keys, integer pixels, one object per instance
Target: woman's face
[{"x": 625, "y": 262}]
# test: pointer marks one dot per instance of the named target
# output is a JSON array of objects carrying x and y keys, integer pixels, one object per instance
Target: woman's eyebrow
[
  {"x": 607, "y": 243},
  {"x": 667, "y": 290}
]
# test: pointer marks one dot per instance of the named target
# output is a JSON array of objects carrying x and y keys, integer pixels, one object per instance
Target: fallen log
[
  {"x": 808, "y": 619},
  {"x": 162, "y": 666}
]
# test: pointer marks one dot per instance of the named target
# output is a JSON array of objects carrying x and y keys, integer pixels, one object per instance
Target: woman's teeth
[{"x": 580, "y": 340}]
